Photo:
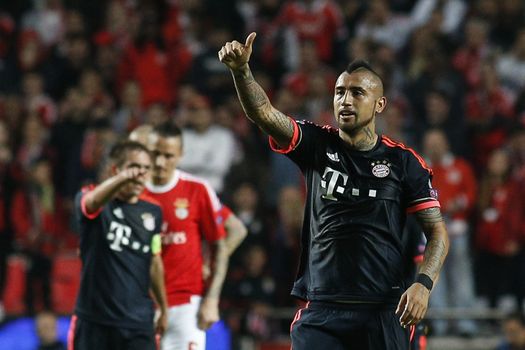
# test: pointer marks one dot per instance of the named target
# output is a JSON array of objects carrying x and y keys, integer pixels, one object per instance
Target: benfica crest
[
  {"x": 148, "y": 221},
  {"x": 182, "y": 208}
]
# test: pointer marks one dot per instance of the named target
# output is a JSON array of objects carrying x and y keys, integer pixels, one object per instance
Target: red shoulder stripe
[{"x": 390, "y": 143}]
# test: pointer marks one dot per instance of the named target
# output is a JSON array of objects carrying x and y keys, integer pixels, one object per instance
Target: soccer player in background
[
  {"x": 120, "y": 251},
  {"x": 190, "y": 208},
  {"x": 360, "y": 187}
]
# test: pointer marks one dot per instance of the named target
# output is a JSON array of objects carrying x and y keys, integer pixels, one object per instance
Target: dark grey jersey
[
  {"x": 116, "y": 252},
  {"x": 353, "y": 247}
]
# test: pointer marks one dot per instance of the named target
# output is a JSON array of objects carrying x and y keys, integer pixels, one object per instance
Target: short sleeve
[
  {"x": 208, "y": 216},
  {"x": 80, "y": 205},
  {"x": 305, "y": 141},
  {"x": 223, "y": 214},
  {"x": 418, "y": 184}
]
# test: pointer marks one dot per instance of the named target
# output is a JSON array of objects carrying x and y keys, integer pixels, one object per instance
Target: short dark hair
[
  {"x": 121, "y": 149},
  {"x": 362, "y": 64},
  {"x": 167, "y": 129}
]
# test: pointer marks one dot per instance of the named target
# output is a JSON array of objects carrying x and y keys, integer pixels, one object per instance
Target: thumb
[{"x": 250, "y": 39}]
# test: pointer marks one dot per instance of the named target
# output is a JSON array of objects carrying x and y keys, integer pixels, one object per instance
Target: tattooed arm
[
  {"x": 414, "y": 302},
  {"x": 437, "y": 241},
  {"x": 253, "y": 99}
]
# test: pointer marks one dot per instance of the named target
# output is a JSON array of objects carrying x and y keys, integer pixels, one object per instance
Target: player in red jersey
[{"x": 190, "y": 210}]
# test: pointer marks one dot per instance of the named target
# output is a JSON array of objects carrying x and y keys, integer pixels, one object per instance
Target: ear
[
  {"x": 114, "y": 170},
  {"x": 381, "y": 104}
]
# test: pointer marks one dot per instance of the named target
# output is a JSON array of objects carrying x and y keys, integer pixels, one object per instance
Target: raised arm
[
  {"x": 414, "y": 302},
  {"x": 101, "y": 194},
  {"x": 253, "y": 99}
]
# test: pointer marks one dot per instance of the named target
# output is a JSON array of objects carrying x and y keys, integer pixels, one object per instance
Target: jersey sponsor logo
[
  {"x": 182, "y": 208},
  {"x": 331, "y": 182},
  {"x": 120, "y": 236},
  {"x": 178, "y": 237},
  {"x": 148, "y": 221},
  {"x": 380, "y": 169},
  {"x": 334, "y": 157}
]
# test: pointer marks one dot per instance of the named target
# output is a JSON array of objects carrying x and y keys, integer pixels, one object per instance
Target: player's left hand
[
  {"x": 413, "y": 305},
  {"x": 208, "y": 313},
  {"x": 162, "y": 323}
]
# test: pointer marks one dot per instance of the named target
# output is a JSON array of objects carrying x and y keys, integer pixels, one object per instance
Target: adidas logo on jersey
[{"x": 334, "y": 157}]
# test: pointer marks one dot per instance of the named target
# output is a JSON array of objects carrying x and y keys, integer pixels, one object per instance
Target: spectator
[
  {"x": 456, "y": 185},
  {"x": 6, "y": 191},
  {"x": 249, "y": 295},
  {"x": 40, "y": 231},
  {"x": 46, "y": 330},
  {"x": 211, "y": 148},
  {"x": 511, "y": 65},
  {"x": 36, "y": 101},
  {"x": 514, "y": 330},
  {"x": 319, "y": 21},
  {"x": 489, "y": 115},
  {"x": 130, "y": 114},
  {"x": 499, "y": 235}
]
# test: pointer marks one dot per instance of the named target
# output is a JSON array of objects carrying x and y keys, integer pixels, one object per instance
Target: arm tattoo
[
  {"x": 220, "y": 267},
  {"x": 258, "y": 108},
  {"x": 437, "y": 246}
]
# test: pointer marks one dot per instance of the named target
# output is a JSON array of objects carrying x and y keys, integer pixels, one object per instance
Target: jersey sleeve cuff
[
  {"x": 422, "y": 206},
  {"x": 293, "y": 143},
  {"x": 88, "y": 215}
]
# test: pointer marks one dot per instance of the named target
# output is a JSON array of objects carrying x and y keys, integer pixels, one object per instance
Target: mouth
[{"x": 346, "y": 115}]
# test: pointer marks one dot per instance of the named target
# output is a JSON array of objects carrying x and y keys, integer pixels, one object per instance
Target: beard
[{"x": 354, "y": 126}]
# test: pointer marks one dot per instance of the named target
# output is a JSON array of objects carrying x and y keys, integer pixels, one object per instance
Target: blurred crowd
[{"x": 75, "y": 76}]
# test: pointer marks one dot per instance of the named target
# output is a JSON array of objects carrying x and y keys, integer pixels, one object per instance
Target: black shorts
[
  {"x": 323, "y": 325},
  {"x": 86, "y": 335}
]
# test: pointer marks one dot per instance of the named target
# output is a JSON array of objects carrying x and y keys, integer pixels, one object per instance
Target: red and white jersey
[{"x": 190, "y": 210}]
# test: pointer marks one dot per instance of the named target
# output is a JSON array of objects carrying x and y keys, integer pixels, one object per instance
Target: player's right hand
[
  {"x": 133, "y": 174},
  {"x": 235, "y": 55}
]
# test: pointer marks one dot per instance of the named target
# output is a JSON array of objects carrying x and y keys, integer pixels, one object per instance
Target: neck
[{"x": 364, "y": 140}]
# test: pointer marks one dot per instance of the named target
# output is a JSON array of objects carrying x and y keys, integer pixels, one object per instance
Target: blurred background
[{"x": 77, "y": 75}]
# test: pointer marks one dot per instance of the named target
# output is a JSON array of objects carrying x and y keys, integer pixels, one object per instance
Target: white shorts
[{"x": 182, "y": 332}]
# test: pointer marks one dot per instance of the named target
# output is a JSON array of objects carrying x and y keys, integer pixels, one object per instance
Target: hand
[
  {"x": 133, "y": 174},
  {"x": 162, "y": 323},
  {"x": 208, "y": 313},
  {"x": 413, "y": 304},
  {"x": 235, "y": 55}
]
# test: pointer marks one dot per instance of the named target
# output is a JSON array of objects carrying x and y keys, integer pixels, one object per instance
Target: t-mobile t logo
[
  {"x": 332, "y": 177},
  {"x": 118, "y": 235}
]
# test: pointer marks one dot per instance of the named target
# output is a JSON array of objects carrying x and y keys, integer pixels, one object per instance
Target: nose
[
  {"x": 347, "y": 99},
  {"x": 160, "y": 161}
]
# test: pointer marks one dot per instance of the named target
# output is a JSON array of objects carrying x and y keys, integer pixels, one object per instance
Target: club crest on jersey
[
  {"x": 181, "y": 208},
  {"x": 148, "y": 221},
  {"x": 380, "y": 168}
]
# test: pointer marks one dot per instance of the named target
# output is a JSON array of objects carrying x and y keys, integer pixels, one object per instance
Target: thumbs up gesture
[{"x": 235, "y": 55}]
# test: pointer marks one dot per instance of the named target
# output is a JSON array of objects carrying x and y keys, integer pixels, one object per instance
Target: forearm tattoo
[
  {"x": 258, "y": 108},
  {"x": 437, "y": 246}
]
